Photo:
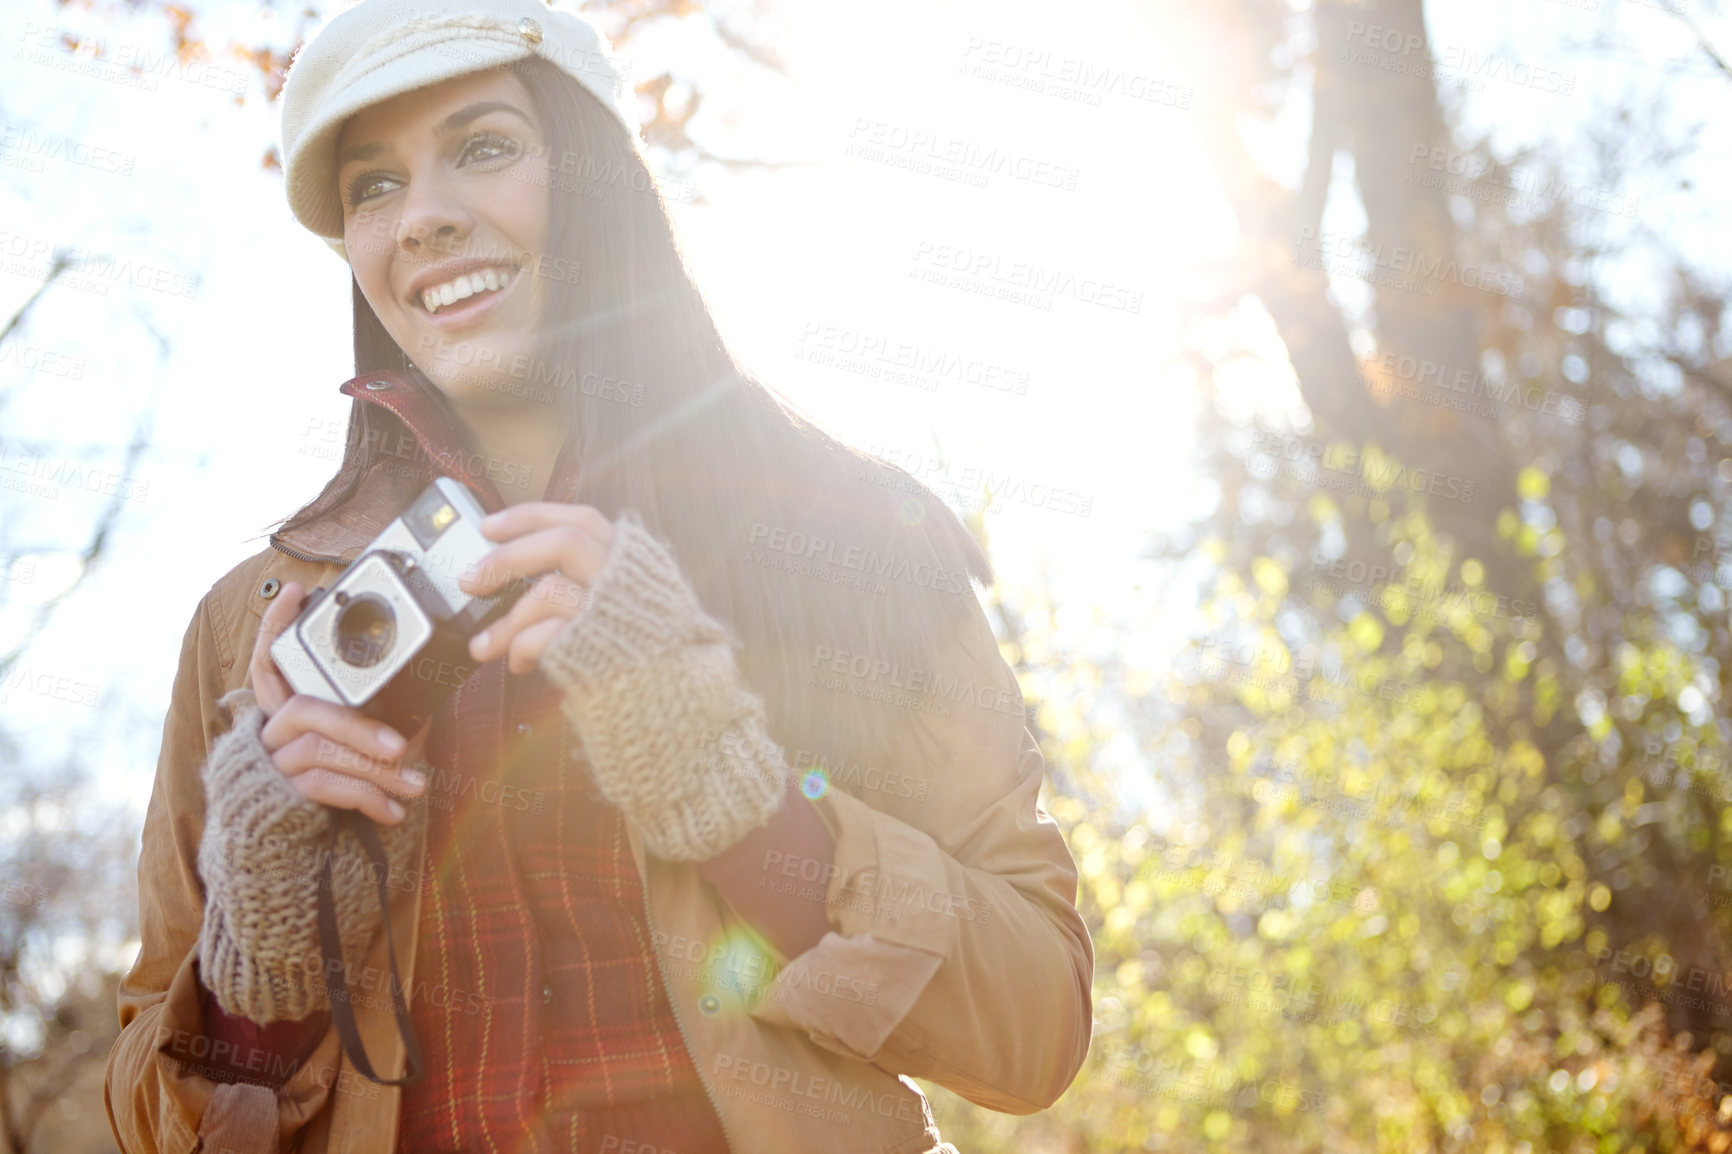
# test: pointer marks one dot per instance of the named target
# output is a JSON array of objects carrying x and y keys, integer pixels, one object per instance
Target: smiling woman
[
  {"x": 445, "y": 214},
  {"x": 445, "y": 208},
  {"x": 651, "y": 885}
]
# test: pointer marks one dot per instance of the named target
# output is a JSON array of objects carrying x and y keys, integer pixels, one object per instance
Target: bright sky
[{"x": 824, "y": 255}]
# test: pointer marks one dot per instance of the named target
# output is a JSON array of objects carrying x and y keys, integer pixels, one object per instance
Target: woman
[{"x": 731, "y": 822}]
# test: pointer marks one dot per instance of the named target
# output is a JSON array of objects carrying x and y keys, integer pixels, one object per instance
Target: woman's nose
[{"x": 433, "y": 219}]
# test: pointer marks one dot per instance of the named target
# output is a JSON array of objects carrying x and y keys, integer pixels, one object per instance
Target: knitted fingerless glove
[
  {"x": 260, "y": 857},
  {"x": 671, "y": 736}
]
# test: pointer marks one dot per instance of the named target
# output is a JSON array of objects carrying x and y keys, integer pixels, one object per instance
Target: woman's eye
[
  {"x": 478, "y": 149},
  {"x": 489, "y": 146},
  {"x": 368, "y": 185}
]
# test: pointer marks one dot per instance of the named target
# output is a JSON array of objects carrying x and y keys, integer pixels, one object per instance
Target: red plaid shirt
[{"x": 536, "y": 995}]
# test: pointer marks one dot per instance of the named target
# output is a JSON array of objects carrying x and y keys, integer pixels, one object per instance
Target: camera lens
[{"x": 366, "y": 628}]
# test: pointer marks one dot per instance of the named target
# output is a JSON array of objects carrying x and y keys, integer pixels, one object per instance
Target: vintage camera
[{"x": 391, "y": 636}]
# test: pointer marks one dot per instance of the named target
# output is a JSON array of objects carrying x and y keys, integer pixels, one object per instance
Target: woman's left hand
[{"x": 566, "y": 545}]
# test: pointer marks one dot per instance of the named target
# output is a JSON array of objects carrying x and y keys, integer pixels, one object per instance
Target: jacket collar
[{"x": 441, "y": 448}]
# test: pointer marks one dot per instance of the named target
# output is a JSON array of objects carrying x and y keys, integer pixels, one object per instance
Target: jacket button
[
  {"x": 377, "y": 385},
  {"x": 269, "y": 588},
  {"x": 547, "y": 993}
]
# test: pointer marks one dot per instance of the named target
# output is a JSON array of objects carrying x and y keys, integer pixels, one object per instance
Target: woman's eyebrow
[
  {"x": 477, "y": 110},
  {"x": 463, "y": 116}
]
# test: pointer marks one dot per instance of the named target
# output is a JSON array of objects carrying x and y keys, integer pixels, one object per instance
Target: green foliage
[{"x": 1363, "y": 915}]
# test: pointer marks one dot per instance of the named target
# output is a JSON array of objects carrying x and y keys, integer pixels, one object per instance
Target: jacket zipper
[
  {"x": 679, "y": 1022},
  {"x": 300, "y": 556}
]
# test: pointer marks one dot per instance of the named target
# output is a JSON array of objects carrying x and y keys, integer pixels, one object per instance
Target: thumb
[{"x": 282, "y": 611}]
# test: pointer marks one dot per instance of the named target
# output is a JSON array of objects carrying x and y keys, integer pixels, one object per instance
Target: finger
[
  {"x": 280, "y": 613},
  {"x": 312, "y": 752},
  {"x": 563, "y": 547},
  {"x": 528, "y": 516},
  {"x": 270, "y": 687},
  {"x": 534, "y": 516},
  {"x": 555, "y": 595},
  {"x": 343, "y": 792},
  {"x": 527, "y": 646},
  {"x": 304, "y": 714}
]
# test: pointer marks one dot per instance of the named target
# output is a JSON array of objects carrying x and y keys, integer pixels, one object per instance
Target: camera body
[{"x": 390, "y": 637}]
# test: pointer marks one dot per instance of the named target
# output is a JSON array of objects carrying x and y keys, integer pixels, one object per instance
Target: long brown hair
[{"x": 717, "y": 465}]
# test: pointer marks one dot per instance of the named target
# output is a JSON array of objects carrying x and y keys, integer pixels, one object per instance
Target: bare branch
[
  {"x": 60, "y": 264},
  {"x": 93, "y": 552},
  {"x": 1702, "y": 39}
]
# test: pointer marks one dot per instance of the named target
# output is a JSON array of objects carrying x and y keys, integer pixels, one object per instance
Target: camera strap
[{"x": 331, "y": 946}]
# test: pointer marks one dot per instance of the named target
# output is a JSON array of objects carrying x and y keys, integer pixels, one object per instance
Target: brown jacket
[{"x": 955, "y": 860}]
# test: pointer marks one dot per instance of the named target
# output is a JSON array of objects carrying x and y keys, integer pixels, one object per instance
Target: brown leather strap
[{"x": 241, "y": 1119}]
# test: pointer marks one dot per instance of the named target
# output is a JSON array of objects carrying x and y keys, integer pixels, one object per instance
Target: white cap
[{"x": 383, "y": 48}]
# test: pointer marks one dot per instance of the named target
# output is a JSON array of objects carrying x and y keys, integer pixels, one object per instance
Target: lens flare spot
[
  {"x": 913, "y": 511},
  {"x": 814, "y": 785},
  {"x": 733, "y": 966}
]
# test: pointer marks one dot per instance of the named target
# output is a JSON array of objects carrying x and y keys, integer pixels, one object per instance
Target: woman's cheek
[
  {"x": 368, "y": 238},
  {"x": 522, "y": 200}
]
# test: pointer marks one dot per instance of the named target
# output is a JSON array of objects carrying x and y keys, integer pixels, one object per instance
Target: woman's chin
[
  {"x": 490, "y": 389},
  {"x": 489, "y": 369}
]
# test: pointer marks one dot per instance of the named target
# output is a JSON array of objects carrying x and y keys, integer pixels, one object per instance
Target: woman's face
[{"x": 445, "y": 205}]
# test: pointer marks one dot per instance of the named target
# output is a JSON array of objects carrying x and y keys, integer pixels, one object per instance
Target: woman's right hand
[{"x": 333, "y": 754}]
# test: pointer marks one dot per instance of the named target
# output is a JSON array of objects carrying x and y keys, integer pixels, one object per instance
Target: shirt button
[{"x": 546, "y": 993}]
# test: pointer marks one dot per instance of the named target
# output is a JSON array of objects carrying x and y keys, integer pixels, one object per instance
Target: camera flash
[{"x": 431, "y": 514}]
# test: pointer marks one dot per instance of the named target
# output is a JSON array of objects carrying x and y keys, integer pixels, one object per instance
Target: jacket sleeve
[
  {"x": 157, "y": 1093},
  {"x": 954, "y": 910}
]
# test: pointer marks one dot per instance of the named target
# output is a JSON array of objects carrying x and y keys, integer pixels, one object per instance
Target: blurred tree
[
  {"x": 21, "y": 553},
  {"x": 1438, "y": 853},
  {"x": 1599, "y": 525},
  {"x": 63, "y": 855},
  {"x": 63, "y": 941}
]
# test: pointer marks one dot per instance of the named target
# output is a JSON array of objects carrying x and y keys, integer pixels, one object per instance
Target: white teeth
[{"x": 465, "y": 286}]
